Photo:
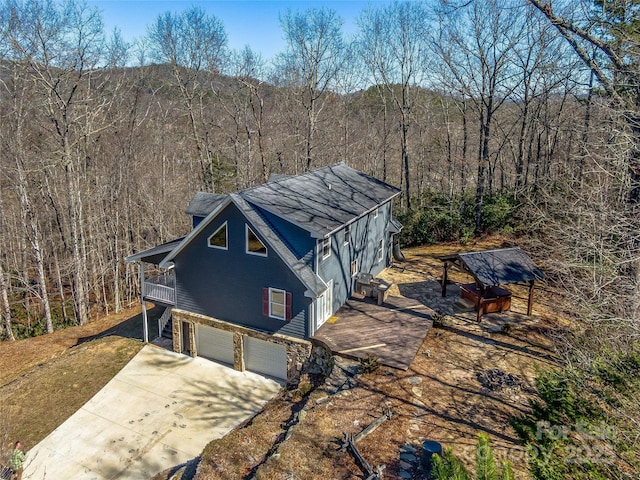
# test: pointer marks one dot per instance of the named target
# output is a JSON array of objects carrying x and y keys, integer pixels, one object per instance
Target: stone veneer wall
[
  {"x": 298, "y": 351},
  {"x": 321, "y": 360}
]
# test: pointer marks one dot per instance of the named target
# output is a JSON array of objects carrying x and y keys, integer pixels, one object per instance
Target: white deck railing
[
  {"x": 161, "y": 288},
  {"x": 163, "y": 320}
]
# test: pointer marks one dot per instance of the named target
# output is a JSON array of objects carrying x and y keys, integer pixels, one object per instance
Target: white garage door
[
  {"x": 215, "y": 344},
  {"x": 266, "y": 358}
]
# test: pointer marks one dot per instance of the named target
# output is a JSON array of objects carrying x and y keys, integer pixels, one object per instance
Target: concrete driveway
[{"x": 159, "y": 411}]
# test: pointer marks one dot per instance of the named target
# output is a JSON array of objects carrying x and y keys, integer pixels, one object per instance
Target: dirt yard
[{"x": 467, "y": 378}]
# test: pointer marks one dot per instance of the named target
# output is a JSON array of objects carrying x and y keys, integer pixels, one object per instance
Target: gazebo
[{"x": 490, "y": 269}]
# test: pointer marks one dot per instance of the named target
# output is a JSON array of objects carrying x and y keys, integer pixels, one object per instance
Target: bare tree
[
  {"x": 250, "y": 71},
  {"x": 242, "y": 103},
  {"x": 611, "y": 31},
  {"x": 193, "y": 44},
  {"x": 4, "y": 291},
  {"x": 476, "y": 45},
  {"x": 393, "y": 44},
  {"x": 603, "y": 35},
  {"x": 62, "y": 47},
  {"x": 13, "y": 137},
  {"x": 311, "y": 63},
  {"x": 544, "y": 66}
]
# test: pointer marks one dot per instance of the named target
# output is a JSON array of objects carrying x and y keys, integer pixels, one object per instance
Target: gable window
[
  {"x": 326, "y": 247},
  {"x": 254, "y": 244},
  {"x": 276, "y": 303},
  {"x": 220, "y": 238},
  {"x": 354, "y": 268},
  {"x": 380, "y": 252},
  {"x": 347, "y": 234}
]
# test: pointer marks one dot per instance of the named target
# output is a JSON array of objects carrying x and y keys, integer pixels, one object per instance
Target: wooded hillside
[
  {"x": 482, "y": 113},
  {"x": 494, "y": 115}
]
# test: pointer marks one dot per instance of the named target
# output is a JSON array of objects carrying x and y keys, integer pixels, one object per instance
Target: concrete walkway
[{"x": 159, "y": 411}]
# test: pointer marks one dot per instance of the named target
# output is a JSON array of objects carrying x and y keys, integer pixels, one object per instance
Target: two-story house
[{"x": 263, "y": 268}]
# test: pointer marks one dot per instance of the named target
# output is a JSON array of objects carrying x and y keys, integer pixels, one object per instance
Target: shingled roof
[
  {"x": 310, "y": 280},
  {"x": 155, "y": 254},
  {"x": 501, "y": 267},
  {"x": 323, "y": 200},
  {"x": 203, "y": 203}
]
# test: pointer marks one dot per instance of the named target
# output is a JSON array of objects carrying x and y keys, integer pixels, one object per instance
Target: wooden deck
[{"x": 393, "y": 331}]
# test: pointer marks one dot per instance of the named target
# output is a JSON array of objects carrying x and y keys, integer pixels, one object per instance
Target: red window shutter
[
  {"x": 265, "y": 302},
  {"x": 288, "y": 306}
]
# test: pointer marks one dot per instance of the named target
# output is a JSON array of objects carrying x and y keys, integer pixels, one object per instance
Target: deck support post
[
  {"x": 145, "y": 328},
  {"x": 530, "y": 301}
]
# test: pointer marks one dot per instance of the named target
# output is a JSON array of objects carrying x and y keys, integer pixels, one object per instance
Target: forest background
[{"x": 520, "y": 117}]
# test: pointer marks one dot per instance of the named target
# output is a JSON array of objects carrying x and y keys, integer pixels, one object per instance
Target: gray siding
[
  {"x": 227, "y": 284},
  {"x": 366, "y": 233}
]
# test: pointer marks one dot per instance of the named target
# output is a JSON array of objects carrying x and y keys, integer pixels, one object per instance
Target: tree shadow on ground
[{"x": 132, "y": 327}]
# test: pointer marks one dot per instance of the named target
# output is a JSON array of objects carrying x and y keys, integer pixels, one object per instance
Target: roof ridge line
[
  {"x": 492, "y": 250},
  {"x": 288, "y": 176}
]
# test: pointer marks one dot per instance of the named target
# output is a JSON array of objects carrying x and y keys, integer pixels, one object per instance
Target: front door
[{"x": 325, "y": 305}]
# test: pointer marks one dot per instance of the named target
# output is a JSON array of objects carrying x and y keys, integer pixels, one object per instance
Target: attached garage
[
  {"x": 215, "y": 344},
  {"x": 266, "y": 358}
]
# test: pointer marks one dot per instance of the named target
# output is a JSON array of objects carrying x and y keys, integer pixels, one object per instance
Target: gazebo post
[
  {"x": 530, "y": 302},
  {"x": 445, "y": 269},
  {"x": 480, "y": 304}
]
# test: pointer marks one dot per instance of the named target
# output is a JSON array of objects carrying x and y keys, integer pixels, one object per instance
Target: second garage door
[
  {"x": 215, "y": 344},
  {"x": 266, "y": 358}
]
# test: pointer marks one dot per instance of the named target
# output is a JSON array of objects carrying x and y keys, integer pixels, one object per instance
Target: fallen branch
[
  {"x": 367, "y": 469},
  {"x": 349, "y": 443},
  {"x": 386, "y": 415}
]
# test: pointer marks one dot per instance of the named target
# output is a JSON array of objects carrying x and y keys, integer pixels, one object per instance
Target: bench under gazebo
[{"x": 491, "y": 270}]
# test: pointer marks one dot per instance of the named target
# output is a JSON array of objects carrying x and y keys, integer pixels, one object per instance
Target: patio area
[{"x": 393, "y": 332}]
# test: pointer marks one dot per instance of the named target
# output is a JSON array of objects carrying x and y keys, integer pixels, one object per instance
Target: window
[
  {"x": 380, "y": 252},
  {"x": 219, "y": 239},
  {"x": 276, "y": 303},
  {"x": 376, "y": 212},
  {"x": 347, "y": 234},
  {"x": 326, "y": 247},
  {"x": 254, "y": 245},
  {"x": 354, "y": 268}
]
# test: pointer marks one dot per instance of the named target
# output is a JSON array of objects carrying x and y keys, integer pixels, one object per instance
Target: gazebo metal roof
[
  {"x": 491, "y": 268},
  {"x": 500, "y": 267}
]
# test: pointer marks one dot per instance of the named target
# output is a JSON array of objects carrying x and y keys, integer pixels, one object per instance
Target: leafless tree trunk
[
  {"x": 613, "y": 70},
  {"x": 393, "y": 45},
  {"x": 193, "y": 44},
  {"x": 311, "y": 64},
  {"x": 4, "y": 294},
  {"x": 6, "y": 309},
  {"x": 34, "y": 234},
  {"x": 475, "y": 45}
]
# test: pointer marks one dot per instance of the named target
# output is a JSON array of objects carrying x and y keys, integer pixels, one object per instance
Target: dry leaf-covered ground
[{"x": 444, "y": 396}]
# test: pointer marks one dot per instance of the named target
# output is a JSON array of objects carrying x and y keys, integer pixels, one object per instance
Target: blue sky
[{"x": 247, "y": 22}]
